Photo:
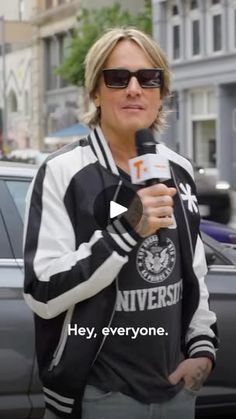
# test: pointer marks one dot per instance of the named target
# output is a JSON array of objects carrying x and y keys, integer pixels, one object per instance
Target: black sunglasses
[{"x": 119, "y": 78}]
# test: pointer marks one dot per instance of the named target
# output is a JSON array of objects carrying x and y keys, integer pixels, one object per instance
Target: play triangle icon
[{"x": 116, "y": 209}]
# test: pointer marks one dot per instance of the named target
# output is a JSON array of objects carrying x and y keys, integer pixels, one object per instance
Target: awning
[{"x": 67, "y": 135}]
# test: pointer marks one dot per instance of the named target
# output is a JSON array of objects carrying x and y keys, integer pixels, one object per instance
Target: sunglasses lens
[
  {"x": 116, "y": 78},
  {"x": 119, "y": 78},
  {"x": 149, "y": 77}
]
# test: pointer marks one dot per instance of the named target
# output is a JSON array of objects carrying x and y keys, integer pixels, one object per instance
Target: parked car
[
  {"x": 220, "y": 232},
  {"x": 213, "y": 196},
  {"x": 20, "y": 389},
  {"x": 26, "y": 155}
]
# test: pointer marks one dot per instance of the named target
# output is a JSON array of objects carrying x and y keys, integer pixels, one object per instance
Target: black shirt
[{"x": 137, "y": 362}]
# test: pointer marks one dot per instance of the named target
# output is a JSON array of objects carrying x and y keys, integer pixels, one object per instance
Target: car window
[
  {"x": 5, "y": 249},
  {"x": 18, "y": 190},
  {"x": 213, "y": 257}
]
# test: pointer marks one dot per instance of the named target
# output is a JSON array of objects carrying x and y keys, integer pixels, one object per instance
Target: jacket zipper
[
  {"x": 62, "y": 341},
  {"x": 184, "y": 211}
]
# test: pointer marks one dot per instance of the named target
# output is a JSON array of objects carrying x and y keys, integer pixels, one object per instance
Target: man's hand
[
  {"x": 157, "y": 205},
  {"x": 193, "y": 371}
]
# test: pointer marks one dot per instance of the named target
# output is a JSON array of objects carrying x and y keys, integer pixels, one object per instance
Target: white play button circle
[
  {"x": 116, "y": 209},
  {"x": 126, "y": 205}
]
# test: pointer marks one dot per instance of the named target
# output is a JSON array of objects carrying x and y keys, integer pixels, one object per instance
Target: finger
[
  {"x": 165, "y": 211},
  {"x": 157, "y": 189},
  {"x": 157, "y": 201},
  {"x": 176, "y": 376},
  {"x": 157, "y": 222}
]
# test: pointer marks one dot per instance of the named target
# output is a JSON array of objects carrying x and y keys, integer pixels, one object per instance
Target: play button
[
  {"x": 118, "y": 202},
  {"x": 116, "y": 209}
]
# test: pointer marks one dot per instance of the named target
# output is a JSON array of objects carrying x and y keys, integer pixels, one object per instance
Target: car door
[
  {"x": 220, "y": 389},
  {"x": 16, "y": 322}
]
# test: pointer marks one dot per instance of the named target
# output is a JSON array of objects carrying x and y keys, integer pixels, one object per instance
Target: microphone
[{"x": 148, "y": 168}]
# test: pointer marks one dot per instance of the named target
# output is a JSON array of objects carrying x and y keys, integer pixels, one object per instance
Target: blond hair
[{"x": 98, "y": 54}]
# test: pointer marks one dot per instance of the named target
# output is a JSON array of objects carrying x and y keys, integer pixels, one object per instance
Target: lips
[{"x": 139, "y": 107}]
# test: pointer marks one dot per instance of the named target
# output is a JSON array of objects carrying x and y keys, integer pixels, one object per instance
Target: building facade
[
  {"x": 18, "y": 10},
  {"x": 15, "y": 74},
  {"x": 56, "y": 104},
  {"x": 18, "y": 99},
  {"x": 199, "y": 37}
]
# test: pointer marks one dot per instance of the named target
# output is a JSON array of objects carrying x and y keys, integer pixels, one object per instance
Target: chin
[{"x": 138, "y": 125}]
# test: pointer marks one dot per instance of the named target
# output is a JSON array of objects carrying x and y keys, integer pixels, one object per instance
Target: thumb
[{"x": 176, "y": 376}]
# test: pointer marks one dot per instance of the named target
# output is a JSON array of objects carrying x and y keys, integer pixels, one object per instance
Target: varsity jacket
[{"x": 73, "y": 259}]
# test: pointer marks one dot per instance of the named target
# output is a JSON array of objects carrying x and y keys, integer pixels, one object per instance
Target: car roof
[
  {"x": 218, "y": 226},
  {"x": 17, "y": 169}
]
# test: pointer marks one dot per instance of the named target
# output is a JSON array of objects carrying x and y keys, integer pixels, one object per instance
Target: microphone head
[{"x": 144, "y": 141}]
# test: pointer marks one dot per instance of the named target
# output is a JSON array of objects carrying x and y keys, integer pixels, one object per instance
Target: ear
[{"x": 96, "y": 100}]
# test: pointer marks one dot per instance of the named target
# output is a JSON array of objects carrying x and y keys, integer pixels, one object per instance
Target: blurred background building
[
  {"x": 15, "y": 73},
  {"x": 34, "y": 36},
  {"x": 199, "y": 37},
  {"x": 56, "y": 104}
]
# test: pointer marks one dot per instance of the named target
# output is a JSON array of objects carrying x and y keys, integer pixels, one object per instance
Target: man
[{"x": 87, "y": 276}]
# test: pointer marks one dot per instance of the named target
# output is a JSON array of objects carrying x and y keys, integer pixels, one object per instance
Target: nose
[{"x": 133, "y": 87}]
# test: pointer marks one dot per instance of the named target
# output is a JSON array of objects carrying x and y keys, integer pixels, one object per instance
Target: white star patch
[{"x": 187, "y": 196}]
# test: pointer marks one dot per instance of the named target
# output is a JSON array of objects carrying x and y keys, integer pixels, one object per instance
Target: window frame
[
  {"x": 51, "y": 62},
  {"x": 232, "y": 26},
  {"x": 204, "y": 116},
  {"x": 194, "y": 15},
  {"x": 175, "y": 20},
  {"x": 12, "y": 216},
  {"x": 214, "y": 10}
]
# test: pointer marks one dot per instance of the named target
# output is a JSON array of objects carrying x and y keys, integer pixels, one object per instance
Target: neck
[{"x": 122, "y": 145}]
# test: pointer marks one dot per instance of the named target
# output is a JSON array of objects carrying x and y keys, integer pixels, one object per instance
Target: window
[
  {"x": 235, "y": 28},
  {"x": 193, "y": 5},
  {"x": 48, "y": 4},
  {"x": 204, "y": 143},
  {"x": 213, "y": 257},
  {"x": 175, "y": 32},
  {"x": 175, "y": 11},
  {"x": 195, "y": 37},
  {"x": 12, "y": 102},
  {"x": 51, "y": 63},
  {"x": 232, "y": 25},
  {"x": 5, "y": 248},
  {"x": 176, "y": 42},
  {"x": 211, "y": 102},
  {"x": 64, "y": 42},
  {"x": 26, "y": 102},
  {"x": 203, "y": 116},
  {"x": 203, "y": 102},
  {"x": 21, "y": 9},
  {"x": 18, "y": 190},
  {"x": 194, "y": 29},
  {"x": 217, "y": 32}
]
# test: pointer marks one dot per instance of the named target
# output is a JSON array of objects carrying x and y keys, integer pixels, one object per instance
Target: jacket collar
[{"x": 102, "y": 151}]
